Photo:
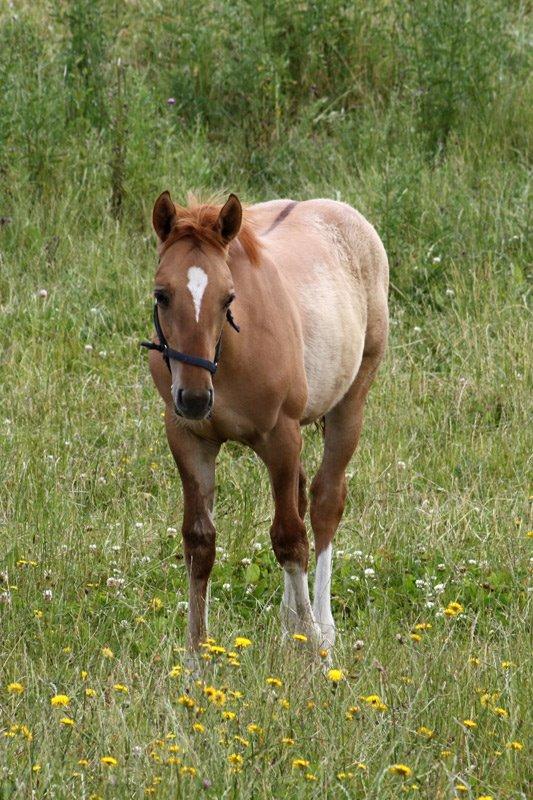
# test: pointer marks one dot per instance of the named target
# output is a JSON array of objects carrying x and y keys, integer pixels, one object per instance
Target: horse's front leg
[
  {"x": 280, "y": 451},
  {"x": 195, "y": 459}
]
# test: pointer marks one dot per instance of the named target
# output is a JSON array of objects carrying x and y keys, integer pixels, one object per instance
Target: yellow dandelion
[
  {"x": 361, "y": 765},
  {"x": 375, "y": 701},
  {"x": 198, "y": 727},
  {"x": 156, "y": 604},
  {"x": 173, "y": 761},
  {"x": 453, "y": 609},
  {"x": 185, "y": 700},
  {"x": 107, "y": 652},
  {"x": 423, "y": 731},
  {"x": 90, "y": 692},
  {"x": 309, "y": 776},
  {"x": 176, "y": 671},
  {"x": 423, "y": 626},
  {"x": 287, "y": 741},
  {"x": 241, "y": 642},
  {"x": 485, "y": 797},
  {"x": 300, "y": 763},
  {"x": 241, "y": 740},
  {"x": 38, "y": 614},
  {"x": 335, "y": 675},
  {"x": 60, "y": 700},
  {"x": 191, "y": 771},
  {"x": 500, "y": 712},
  {"x": 474, "y": 661},
  {"x": 299, "y": 637},
  {"x": 352, "y": 711},
  {"x": 342, "y": 776},
  {"x": 284, "y": 703},
  {"x": 254, "y": 729},
  {"x": 514, "y": 745},
  {"x": 469, "y": 723},
  {"x": 235, "y": 759},
  {"x": 174, "y": 748},
  {"x": 230, "y": 715},
  {"x": 507, "y": 664},
  {"x": 83, "y": 762},
  {"x": 36, "y": 768},
  {"x": 323, "y": 653},
  {"x": 84, "y": 674},
  {"x": 401, "y": 769},
  {"x": 416, "y": 637},
  {"x": 274, "y": 682},
  {"x": 67, "y": 721},
  {"x": 445, "y": 753},
  {"x": 109, "y": 761},
  {"x": 119, "y": 687},
  {"x": 15, "y": 688}
]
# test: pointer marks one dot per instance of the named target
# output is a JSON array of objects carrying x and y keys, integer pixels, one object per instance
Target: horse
[{"x": 267, "y": 318}]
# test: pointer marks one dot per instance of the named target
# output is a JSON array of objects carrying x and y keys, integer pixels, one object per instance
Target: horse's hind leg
[{"x": 328, "y": 491}]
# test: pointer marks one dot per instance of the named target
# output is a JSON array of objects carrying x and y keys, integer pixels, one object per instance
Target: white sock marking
[
  {"x": 196, "y": 286},
  {"x": 322, "y": 597}
]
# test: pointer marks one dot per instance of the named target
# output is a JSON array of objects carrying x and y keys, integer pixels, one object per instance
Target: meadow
[{"x": 419, "y": 115}]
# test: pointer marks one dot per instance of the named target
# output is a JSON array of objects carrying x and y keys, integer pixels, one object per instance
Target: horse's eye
[
  {"x": 229, "y": 300},
  {"x": 161, "y": 298}
]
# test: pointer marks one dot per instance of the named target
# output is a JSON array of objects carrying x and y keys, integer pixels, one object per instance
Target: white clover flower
[
  {"x": 47, "y": 595},
  {"x": 359, "y": 644},
  {"x": 369, "y": 572},
  {"x": 257, "y": 546},
  {"x": 417, "y": 329},
  {"x": 88, "y": 348},
  {"x": 450, "y": 292},
  {"x": 439, "y": 588},
  {"x": 420, "y": 584},
  {"x": 115, "y": 583},
  {"x": 226, "y": 586},
  {"x": 170, "y": 529},
  {"x": 5, "y": 598},
  {"x": 246, "y": 561},
  {"x": 42, "y": 293}
]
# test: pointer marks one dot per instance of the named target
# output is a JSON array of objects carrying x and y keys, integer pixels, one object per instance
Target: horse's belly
[{"x": 333, "y": 322}]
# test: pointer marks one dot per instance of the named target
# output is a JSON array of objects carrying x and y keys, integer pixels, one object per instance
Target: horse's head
[{"x": 193, "y": 291}]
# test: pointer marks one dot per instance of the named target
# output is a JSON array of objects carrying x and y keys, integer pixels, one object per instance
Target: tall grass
[{"x": 417, "y": 114}]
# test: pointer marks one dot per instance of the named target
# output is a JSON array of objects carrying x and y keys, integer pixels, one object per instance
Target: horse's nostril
[{"x": 194, "y": 404}]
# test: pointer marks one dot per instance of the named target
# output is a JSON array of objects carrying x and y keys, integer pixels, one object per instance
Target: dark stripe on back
[{"x": 283, "y": 214}]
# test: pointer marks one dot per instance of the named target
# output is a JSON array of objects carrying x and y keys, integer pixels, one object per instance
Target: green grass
[{"x": 419, "y": 117}]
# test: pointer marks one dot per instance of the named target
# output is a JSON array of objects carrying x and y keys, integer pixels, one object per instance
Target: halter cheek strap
[{"x": 194, "y": 361}]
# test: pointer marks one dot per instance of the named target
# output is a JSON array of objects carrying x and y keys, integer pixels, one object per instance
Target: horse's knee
[
  {"x": 289, "y": 542},
  {"x": 199, "y": 547}
]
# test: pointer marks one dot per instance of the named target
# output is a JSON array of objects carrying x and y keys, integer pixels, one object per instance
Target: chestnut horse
[{"x": 307, "y": 286}]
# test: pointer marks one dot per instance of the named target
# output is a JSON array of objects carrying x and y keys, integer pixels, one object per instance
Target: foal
[{"x": 306, "y": 283}]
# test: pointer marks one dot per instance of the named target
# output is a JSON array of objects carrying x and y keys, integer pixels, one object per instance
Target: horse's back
[{"x": 335, "y": 267}]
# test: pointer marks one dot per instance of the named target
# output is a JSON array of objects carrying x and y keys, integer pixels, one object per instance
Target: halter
[{"x": 193, "y": 361}]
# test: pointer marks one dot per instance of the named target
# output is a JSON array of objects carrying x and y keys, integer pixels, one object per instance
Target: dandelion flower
[
  {"x": 352, "y": 711},
  {"x": 423, "y": 731},
  {"x": 401, "y": 769},
  {"x": 175, "y": 672},
  {"x": 119, "y": 687},
  {"x": 299, "y": 637},
  {"x": 107, "y": 652},
  {"x": 185, "y": 700},
  {"x": 253, "y": 728},
  {"x": 90, "y": 692},
  {"x": 83, "y": 762},
  {"x": 485, "y": 797},
  {"x": 309, "y": 776},
  {"x": 229, "y": 715},
  {"x": 236, "y": 759},
  {"x": 374, "y": 701},
  {"x": 515, "y": 746},
  {"x": 67, "y": 721},
  {"x": 198, "y": 727},
  {"x": 36, "y": 768},
  {"x": 300, "y": 763},
  {"x": 423, "y": 626},
  {"x": 84, "y": 674},
  {"x": 241, "y": 642},
  {"x": 469, "y": 723},
  {"x": 416, "y": 637},
  {"x": 453, "y": 609},
  {"x": 156, "y": 604},
  {"x": 274, "y": 682},
  {"x": 474, "y": 661},
  {"x": 191, "y": 771},
  {"x": 15, "y": 688},
  {"x": 501, "y": 712},
  {"x": 60, "y": 700},
  {"x": 507, "y": 664},
  {"x": 287, "y": 741},
  {"x": 109, "y": 761},
  {"x": 335, "y": 675},
  {"x": 241, "y": 740}
]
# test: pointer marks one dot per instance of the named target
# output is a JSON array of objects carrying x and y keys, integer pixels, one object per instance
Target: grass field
[{"x": 417, "y": 114}]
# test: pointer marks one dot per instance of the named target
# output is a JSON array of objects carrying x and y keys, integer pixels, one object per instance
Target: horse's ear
[
  {"x": 163, "y": 215},
  {"x": 230, "y": 218}
]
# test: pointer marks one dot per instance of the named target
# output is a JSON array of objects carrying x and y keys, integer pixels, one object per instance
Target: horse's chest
[{"x": 333, "y": 323}]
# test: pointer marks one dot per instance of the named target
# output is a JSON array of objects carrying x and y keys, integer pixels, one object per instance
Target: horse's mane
[{"x": 198, "y": 221}]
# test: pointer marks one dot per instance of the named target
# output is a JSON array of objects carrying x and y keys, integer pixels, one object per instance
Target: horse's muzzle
[{"x": 193, "y": 404}]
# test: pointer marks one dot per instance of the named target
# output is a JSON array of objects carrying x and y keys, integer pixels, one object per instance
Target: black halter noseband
[{"x": 193, "y": 361}]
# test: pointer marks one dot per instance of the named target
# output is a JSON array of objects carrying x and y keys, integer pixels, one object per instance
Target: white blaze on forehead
[{"x": 196, "y": 286}]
